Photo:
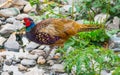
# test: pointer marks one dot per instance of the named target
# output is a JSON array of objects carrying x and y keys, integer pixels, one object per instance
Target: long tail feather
[{"x": 86, "y": 27}]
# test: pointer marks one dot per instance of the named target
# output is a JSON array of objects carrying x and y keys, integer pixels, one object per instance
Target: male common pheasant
[{"x": 54, "y": 31}]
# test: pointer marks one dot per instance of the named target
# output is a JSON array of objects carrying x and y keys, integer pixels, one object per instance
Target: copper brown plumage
[{"x": 54, "y": 31}]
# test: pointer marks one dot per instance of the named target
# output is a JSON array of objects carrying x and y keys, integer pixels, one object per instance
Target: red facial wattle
[{"x": 27, "y": 22}]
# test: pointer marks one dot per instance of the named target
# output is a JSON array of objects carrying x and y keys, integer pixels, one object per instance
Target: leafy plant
[
  {"x": 84, "y": 39},
  {"x": 87, "y": 56},
  {"x": 91, "y": 60},
  {"x": 48, "y": 7},
  {"x": 93, "y": 7}
]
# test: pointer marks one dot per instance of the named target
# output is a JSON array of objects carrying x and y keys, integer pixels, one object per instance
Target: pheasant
[{"x": 54, "y": 32}]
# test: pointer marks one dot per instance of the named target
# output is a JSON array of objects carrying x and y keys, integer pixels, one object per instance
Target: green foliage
[
  {"x": 47, "y": 6},
  {"x": 84, "y": 39},
  {"x": 116, "y": 71},
  {"x": 87, "y": 56},
  {"x": 91, "y": 60},
  {"x": 33, "y": 2},
  {"x": 85, "y": 9},
  {"x": 93, "y": 7}
]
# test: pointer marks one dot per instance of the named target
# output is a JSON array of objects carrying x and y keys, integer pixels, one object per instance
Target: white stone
[
  {"x": 27, "y": 8},
  {"x": 38, "y": 52},
  {"x": 116, "y": 21},
  {"x": 101, "y": 18},
  {"x": 5, "y": 73},
  {"x": 25, "y": 41},
  {"x": 50, "y": 62},
  {"x": 22, "y": 68},
  {"x": 41, "y": 60},
  {"x": 42, "y": 47},
  {"x": 31, "y": 46},
  {"x": 58, "y": 68},
  {"x": 114, "y": 25},
  {"x": 11, "y": 44},
  {"x": 21, "y": 16},
  {"x": 20, "y": 2},
  {"x": 6, "y": 5},
  {"x": 103, "y": 72},
  {"x": 10, "y": 20},
  {"x": 2, "y": 40},
  {"x": 8, "y": 12},
  {"x": 8, "y": 28},
  {"x": 18, "y": 25},
  {"x": 47, "y": 48},
  {"x": 0, "y": 22},
  {"x": 28, "y": 62},
  {"x": 35, "y": 72},
  {"x": 52, "y": 53},
  {"x": 30, "y": 56}
]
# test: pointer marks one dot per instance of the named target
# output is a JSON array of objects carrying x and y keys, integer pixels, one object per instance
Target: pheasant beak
[{"x": 22, "y": 21}]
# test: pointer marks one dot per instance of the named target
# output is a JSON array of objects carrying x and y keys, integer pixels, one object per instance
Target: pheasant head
[{"x": 29, "y": 23}]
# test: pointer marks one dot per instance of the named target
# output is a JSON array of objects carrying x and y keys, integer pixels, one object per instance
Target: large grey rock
[
  {"x": 11, "y": 44},
  {"x": 8, "y": 62},
  {"x": 19, "y": 7},
  {"x": 8, "y": 28},
  {"x": 13, "y": 3},
  {"x": 103, "y": 72},
  {"x": 10, "y": 20},
  {"x": 115, "y": 24},
  {"x": 18, "y": 25},
  {"x": 25, "y": 41},
  {"x": 114, "y": 43},
  {"x": 101, "y": 18},
  {"x": 31, "y": 46},
  {"x": 28, "y": 62},
  {"x": 20, "y": 2},
  {"x": 6, "y": 5},
  {"x": 35, "y": 72},
  {"x": 8, "y": 12},
  {"x": 21, "y": 16},
  {"x": 58, "y": 68},
  {"x": 5, "y": 73},
  {"x": 116, "y": 21},
  {"x": 2, "y": 40}
]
